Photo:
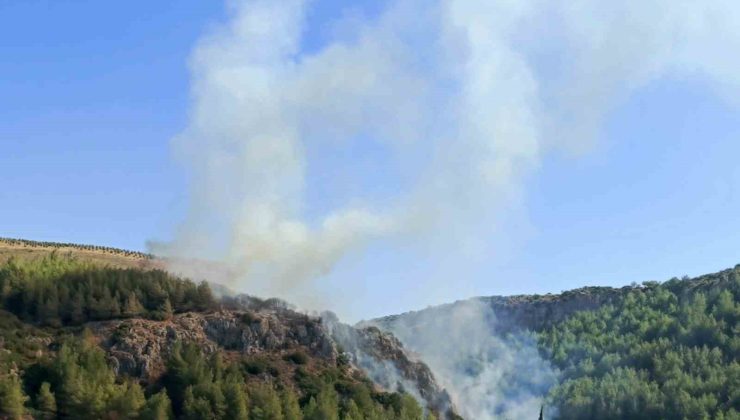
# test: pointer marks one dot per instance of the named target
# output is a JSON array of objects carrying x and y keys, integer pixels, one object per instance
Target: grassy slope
[{"x": 25, "y": 250}]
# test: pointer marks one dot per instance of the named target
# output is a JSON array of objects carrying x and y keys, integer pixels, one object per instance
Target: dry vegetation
[{"x": 23, "y": 249}]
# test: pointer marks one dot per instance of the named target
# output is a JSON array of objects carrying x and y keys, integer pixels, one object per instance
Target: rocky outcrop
[
  {"x": 139, "y": 347},
  {"x": 385, "y": 360},
  {"x": 384, "y": 347},
  {"x": 533, "y": 312},
  {"x": 540, "y": 311}
]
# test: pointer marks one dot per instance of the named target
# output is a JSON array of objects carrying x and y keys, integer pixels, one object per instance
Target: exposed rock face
[
  {"x": 532, "y": 312},
  {"x": 539, "y": 311},
  {"x": 384, "y": 346},
  {"x": 139, "y": 347},
  {"x": 383, "y": 357}
]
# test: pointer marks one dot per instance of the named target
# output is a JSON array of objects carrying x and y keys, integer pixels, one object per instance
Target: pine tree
[
  {"x": 311, "y": 410},
  {"x": 11, "y": 397},
  {"x": 166, "y": 309},
  {"x": 101, "y": 307},
  {"x": 128, "y": 401},
  {"x": 87, "y": 387},
  {"x": 115, "y": 305},
  {"x": 291, "y": 408},
  {"x": 204, "y": 297},
  {"x": 77, "y": 308},
  {"x": 410, "y": 409},
  {"x": 196, "y": 408},
  {"x": 353, "y": 412},
  {"x": 158, "y": 407},
  {"x": 46, "y": 402},
  {"x": 236, "y": 396},
  {"x": 48, "y": 310},
  {"x": 212, "y": 393},
  {"x": 324, "y": 406},
  {"x": 328, "y": 402},
  {"x": 265, "y": 403},
  {"x": 132, "y": 307}
]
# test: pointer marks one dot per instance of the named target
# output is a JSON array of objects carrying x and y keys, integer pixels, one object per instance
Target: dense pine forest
[
  {"x": 58, "y": 291},
  {"x": 52, "y": 367},
  {"x": 662, "y": 351}
]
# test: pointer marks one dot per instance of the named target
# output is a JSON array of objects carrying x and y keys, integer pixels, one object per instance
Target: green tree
[
  {"x": 127, "y": 400},
  {"x": 265, "y": 403},
  {"x": 166, "y": 309},
  {"x": 158, "y": 407},
  {"x": 291, "y": 408},
  {"x": 204, "y": 297},
  {"x": 87, "y": 386},
  {"x": 663, "y": 351},
  {"x": 325, "y": 406},
  {"x": 77, "y": 308},
  {"x": 132, "y": 306},
  {"x": 196, "y": 408},
  {"x": 353, "y": 412},
  {"x": 12, "y": 399},
  {"x": 46, "y": 402},
  {"x": 410, "y": 409},
  {"x": 236, "y": 396}
]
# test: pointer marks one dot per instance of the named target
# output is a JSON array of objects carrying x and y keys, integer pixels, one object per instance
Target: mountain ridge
[
  {"x": 138, "y": 317},
  {"x": 656, "y": 350}
]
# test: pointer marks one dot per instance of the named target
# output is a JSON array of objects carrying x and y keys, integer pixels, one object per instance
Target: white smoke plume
[
  {"x": 464, "y": 96},
  {"x": 488, "y": 373}
]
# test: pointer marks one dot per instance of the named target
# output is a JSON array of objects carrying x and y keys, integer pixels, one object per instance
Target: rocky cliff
[
  {"x": 385, "y": 360},
  {"x": 139, "y": 347}
]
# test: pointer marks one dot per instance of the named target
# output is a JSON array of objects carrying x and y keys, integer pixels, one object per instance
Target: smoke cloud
[
  {"x": 461, "y": 98},
  {"x": 488, "y": 373}
]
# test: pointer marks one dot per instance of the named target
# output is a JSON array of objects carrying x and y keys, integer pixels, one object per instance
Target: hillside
[
  {"x": 669, "y": 350},
  {"x": 105, "y": 256},
  {"x": 83, "y": 339},
  {"x": 24, "y": 249}
]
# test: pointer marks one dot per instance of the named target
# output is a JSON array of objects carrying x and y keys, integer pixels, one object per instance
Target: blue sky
[{"x": 92, "y": 95}]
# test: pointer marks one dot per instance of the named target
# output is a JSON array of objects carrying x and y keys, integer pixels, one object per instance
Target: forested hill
[
  {"x": 657, "y": 350},
  {"x": 82, "y": 338},
  {"x": 85, "y": 340}
]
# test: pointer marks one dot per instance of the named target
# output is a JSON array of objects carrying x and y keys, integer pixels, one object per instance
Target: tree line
[
  {"x": 57, "y": 291},
  {"x": 58, "y": 245}
]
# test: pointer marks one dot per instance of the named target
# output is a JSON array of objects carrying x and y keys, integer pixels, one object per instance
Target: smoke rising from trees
[{"x": 463, "y": 98}]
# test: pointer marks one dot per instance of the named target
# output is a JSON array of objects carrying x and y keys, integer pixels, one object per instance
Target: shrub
[{"x": 298, "y": 357}]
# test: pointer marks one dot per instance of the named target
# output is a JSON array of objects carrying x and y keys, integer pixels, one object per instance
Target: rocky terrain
[
  {"x": 383, "y": 357},
  {"x": 532, "y": 312},
  {"x": 537, "y": 312},
  {"x": 268, "y": 338},
  {"x": 139, "y": 347}
]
